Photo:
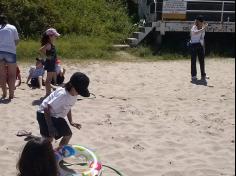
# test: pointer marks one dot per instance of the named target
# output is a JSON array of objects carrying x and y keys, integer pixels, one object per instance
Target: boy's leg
[
  {"x": 65, "y": 140},
  {"x": 63, "y": 130},
  {"x": 3, "y": 79}
]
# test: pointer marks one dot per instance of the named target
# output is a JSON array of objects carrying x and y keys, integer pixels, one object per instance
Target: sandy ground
[{"x": 147, "y": 118}]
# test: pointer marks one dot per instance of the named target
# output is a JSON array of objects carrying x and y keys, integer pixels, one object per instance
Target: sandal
[{"x": 23, "y": 133}]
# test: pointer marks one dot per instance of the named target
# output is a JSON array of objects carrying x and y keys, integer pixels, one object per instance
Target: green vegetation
[
  {"x": 69, "y": 47},
  {"x": 89, "y": 28}
]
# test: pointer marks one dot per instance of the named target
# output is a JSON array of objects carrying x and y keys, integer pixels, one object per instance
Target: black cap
[{"x": 80, "y": 82}]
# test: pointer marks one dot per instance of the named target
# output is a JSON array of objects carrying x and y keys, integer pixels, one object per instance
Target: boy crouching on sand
[{"x": 53, "y": 110}]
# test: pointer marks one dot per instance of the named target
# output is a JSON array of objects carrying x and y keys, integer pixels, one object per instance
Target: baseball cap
[
  {"x": 80, "y": 82},
  {"x": 52, "y": 31}
]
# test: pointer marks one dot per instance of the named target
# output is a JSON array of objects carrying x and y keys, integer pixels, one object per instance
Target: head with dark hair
[
  {"x": 200, "y": 18},
  {"x": 37, "y": 159},
  {"x": 3, "y": 20},
  {"x": 68, "y": 86},
  {"x": 45, "y": 39}
]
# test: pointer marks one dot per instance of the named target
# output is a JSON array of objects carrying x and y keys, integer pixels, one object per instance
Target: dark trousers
[{"x": 197, "y": 50}]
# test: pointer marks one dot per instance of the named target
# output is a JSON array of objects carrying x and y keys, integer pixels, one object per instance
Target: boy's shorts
[
  {"x": 9, "y": 58},
  {"x": 35, "y": 82},
  {"x": 60, "y": 124}
]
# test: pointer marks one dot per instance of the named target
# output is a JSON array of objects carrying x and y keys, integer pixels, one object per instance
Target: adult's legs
[
  {"x": 193, "y": 61},
  {"x": 11, "y": 79},
  {"x": 3, "y": 82},
  {"x": 201, "y": 57}
]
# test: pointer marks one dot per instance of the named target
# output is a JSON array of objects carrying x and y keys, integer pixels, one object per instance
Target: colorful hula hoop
[{"x": 76, "y": 151}]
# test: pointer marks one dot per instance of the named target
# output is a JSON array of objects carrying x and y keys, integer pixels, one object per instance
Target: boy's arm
[{"x": 76, "y": 125}]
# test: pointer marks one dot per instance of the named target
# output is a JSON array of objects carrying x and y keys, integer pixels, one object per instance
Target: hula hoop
[{"x": 77, "y": 151}]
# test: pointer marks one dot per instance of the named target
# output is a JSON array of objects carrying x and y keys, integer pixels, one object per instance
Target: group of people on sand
[{"x": 38, "y": 157}]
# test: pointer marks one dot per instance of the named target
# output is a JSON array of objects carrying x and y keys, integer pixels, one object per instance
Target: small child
[
  {"x": 60, "y": 71},
  {"x": 36, "y": 74},
  {"x": 53, "y": 110},
  {"x": 37, "y": 158}
]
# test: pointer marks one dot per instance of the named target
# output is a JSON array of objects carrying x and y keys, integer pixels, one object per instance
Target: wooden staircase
[{"x": 139, "y": 36}]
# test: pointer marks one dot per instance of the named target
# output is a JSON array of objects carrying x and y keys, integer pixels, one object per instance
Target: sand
[{"x": 147, "y": 119}]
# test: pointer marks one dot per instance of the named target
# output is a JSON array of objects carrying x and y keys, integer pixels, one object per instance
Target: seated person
[
  {"x": 60, "y": 72},
  {"x": 36, "y": 74}
]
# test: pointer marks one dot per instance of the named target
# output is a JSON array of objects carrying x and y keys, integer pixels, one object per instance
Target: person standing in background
[
  {"x": 48, "y": 49},
  {"x": 197, "y": 46},
  {"x": 9, "y": 38}
]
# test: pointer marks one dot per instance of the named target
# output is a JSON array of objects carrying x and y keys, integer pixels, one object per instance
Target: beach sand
[{"x": 147, "y": 119}]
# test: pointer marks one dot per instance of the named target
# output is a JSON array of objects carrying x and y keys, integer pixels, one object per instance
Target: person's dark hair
[
  {"x": 3, "y": 20},
  {"x": 200, "y": 18},
  {"x": 37, "y": 159},
  {"x": 68, "y": 86},
  {"x": 45, "y": 39}
]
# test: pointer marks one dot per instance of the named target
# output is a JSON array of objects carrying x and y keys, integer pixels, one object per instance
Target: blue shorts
[{"x": 8, "y": 57}]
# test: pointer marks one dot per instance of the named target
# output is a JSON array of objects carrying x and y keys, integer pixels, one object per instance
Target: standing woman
[
  {"x": 49, "y": 50},
  {"x": 197, "y": 45},
  {"x": 9, "y": 38}
]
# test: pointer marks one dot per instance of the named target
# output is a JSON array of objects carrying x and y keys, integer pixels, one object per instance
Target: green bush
[{"x": 106, "y": 18}]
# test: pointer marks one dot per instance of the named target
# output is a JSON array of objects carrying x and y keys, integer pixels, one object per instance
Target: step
[
  {"x": 132, "y": 41},
  {"x": 142, "y": 29},
  {"x": 138, "y": 34},
  {"x": 120, "y": 46}
]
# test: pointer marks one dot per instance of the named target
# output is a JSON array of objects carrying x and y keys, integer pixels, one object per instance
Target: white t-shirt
[
  {"x": 197, "y": 37},
  {"x": 60, "y": 102},
  {"x": 8, "y": 36}
]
